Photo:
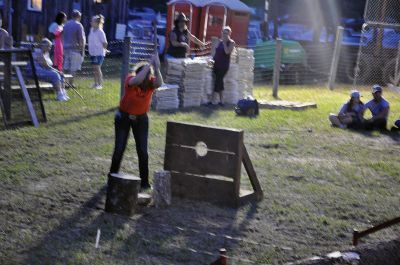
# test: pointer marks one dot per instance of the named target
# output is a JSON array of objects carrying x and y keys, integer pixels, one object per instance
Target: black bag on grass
[{"x": 247, "y": 107}]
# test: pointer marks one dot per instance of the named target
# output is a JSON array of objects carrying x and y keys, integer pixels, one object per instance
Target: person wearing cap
[
  {"x": 74, "y": 43},
  {"x": 132, "y": 113},
  {"x": 351, "y": 113},
  {"x": 379, "y": 108},
  {"x": 45, "y": 70},
  {"x": 97, "y": 42},
  {"x": 179, "y": 38}
]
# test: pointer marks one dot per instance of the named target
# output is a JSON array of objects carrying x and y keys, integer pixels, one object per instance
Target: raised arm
[
  {"x": 139, "y": 78},
  {"x": 196, "y": 40},
  {"x": 159, "y": 79},
  {"x": 228, "y": 47}
]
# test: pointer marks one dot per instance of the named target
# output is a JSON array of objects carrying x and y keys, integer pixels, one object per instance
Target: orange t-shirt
[{"x": 135, "y": 100}]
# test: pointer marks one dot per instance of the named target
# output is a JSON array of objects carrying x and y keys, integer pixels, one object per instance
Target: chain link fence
[{"x": 379, "y": 54}]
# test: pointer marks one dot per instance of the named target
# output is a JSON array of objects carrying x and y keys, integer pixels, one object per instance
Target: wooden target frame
[{"x": 205, "y": 164}]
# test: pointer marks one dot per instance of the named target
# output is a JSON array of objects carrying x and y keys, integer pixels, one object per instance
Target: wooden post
[
  {"x": 7, "y": 85},
  {"x": 122, "y": 194},
  {"x": 162, "y": 188},
  {"x": 125, "y": 63},
  {"x": 336, "y": 57},
  {"x": 27, "y": 97},
  {"x": 396, "y": 77},
  {"x": 277, "y": 67}
]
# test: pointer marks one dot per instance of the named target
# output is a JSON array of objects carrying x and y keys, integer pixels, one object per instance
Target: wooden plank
[
  {"x": 186, "y": 160},
  {"x": 16, "y": 63},
  {"x": 252, "y": 174},
  {"x": 205, "y": 189},
  {"x": 33, "y": 86},
  {"x": 27, "y": 97},
  {"x": 35, "y": 78},
  {"x": 215, "y": 138},
  {"x": 6, "y": 93}
]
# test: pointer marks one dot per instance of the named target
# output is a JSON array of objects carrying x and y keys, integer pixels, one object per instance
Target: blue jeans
[{"x": 140, "y": 129}]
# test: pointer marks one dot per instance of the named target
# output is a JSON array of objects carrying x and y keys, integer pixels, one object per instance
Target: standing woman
[
  {"x": 56, "y": 28},
  {"x": 97, "y": 43},
  {"x": 132, "y": 113},
  {"x": 222, "y": 59}
]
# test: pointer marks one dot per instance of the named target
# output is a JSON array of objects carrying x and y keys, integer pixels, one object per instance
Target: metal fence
[{"x": 379, "y": 52}]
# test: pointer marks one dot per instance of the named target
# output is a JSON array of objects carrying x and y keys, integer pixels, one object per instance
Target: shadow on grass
[{"x": 179, "y": 234}]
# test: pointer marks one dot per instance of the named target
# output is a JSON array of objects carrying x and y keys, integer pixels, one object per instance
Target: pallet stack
[
  {"x": 175, "y": 71},
  {"x": 208, "y": 85},
  {"x": 245, "y": 61},
  {"x": 231, "y": 92},
  {"x": 191, "y": 91},
  {"x": 166, "y": 98},
  {"x": 190, "y": 75}
]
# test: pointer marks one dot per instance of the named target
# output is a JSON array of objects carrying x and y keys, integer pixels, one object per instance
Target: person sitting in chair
[
  {"x": 379, "y": 108},
  {"x": 45, "y": 70},
  {"x": 351, "y": 113}
]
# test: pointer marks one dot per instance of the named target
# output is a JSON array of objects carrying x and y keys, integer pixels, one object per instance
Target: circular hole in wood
[{"x": 201, "y": 149}]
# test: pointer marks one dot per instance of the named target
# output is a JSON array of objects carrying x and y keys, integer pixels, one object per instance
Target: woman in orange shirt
[{"x": 132, "y": 113}]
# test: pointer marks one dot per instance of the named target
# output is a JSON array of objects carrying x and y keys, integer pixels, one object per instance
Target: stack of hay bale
[
  {"x": 208, "y": 85},
  {"x": 166, "y": 97},
  {"x": 191, "y": 90},
  {"x": 231, "y": 92},
  {"x": 195, "y": 78},
  {"x": 245, "y": 61},
  {"x": 174, "y": 71},
  {"x": 190, "y": 75}
]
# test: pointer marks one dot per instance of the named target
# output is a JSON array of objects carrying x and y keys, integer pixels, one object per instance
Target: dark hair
[
  {"x": 350, "y": 105},
  {"x": 60, "y": 18}
]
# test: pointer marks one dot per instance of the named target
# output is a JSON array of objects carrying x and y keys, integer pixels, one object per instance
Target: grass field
[{"x": 318, "y": 186}]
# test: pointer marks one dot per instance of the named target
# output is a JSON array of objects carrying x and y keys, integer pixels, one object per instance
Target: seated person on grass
[
  {"x": 379, "y": 108},
  {"x": 396, "y": 127},
  {"x": 351, "y": 113},
  {"x": 45, "y": 70}
]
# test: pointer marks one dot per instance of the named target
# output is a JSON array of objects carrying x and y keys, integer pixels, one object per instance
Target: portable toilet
[
  {"x": 217, "y": 14},
  {"x": 192, "y": 10}
]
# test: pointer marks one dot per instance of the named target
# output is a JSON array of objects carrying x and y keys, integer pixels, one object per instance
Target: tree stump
[
  {"x": 122, "y": 194},
  {"x": 162, "y": 188}
]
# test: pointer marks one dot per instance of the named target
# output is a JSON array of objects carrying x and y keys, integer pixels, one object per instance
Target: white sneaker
[
  {"x": 94, "y": 86},
  {"x": 64, "y": 92},
  {"x": 61, "y": 97},
  {"x": 99, "y": 87}
]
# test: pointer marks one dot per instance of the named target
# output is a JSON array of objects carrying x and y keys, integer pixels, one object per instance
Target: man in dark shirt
[{"x": 179, "y": 38}]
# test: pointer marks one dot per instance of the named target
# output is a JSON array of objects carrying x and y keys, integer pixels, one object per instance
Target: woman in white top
[{"x": 97, "y": 43}]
